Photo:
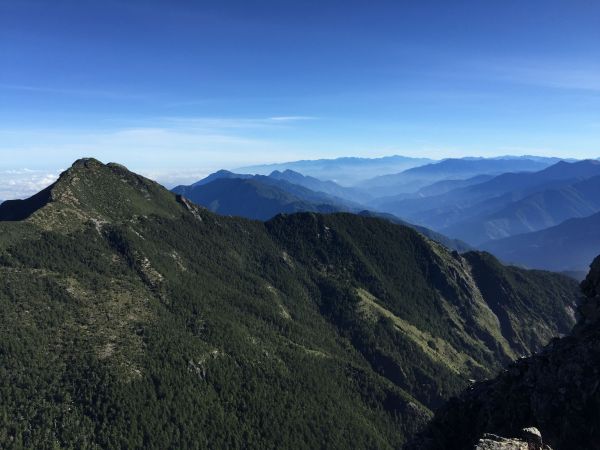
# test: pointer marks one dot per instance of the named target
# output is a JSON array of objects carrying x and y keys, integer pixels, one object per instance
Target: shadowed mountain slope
[
  {"x": 21, "y": 209},
  {"x": 570, "y": 245},
  {"x": 555, "y": 391},
  {"x": 258, "y": 197},
  {"x": 452, "y": 244}
]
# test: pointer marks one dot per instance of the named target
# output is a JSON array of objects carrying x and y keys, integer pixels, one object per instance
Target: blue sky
[{"x": 176, "y": 89}]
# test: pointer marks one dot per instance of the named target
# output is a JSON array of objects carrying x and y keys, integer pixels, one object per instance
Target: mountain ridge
[{"x": 121, "y": 300}]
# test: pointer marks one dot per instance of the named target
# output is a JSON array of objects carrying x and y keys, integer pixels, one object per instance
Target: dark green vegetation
[
  {"x": 131, "y": 318},
  {"x": 453, "y": 244},
  {"x": 555, "y": 391}
]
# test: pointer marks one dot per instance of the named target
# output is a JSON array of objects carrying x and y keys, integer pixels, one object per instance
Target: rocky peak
[
  {"x": 531, "y": 440},
  {"x": 91, "y": 190},
  {"x": 86, "y": 163}
]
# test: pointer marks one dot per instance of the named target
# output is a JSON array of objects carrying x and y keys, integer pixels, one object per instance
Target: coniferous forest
[{"x": 132, "y": 318}]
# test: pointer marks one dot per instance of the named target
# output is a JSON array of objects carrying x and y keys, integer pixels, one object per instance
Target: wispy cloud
[
  {"x": 213, "y": 123},
  {"x": 115, "y": 95},
  {"x": 169, "y": 137},
  {"x": 541, "y": 73},
  {"x": 291, "y": 118}
]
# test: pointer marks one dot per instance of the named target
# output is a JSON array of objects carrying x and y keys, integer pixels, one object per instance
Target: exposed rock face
[
  {"x": 557, "y": 390},
  {"x": 493, "y": 442},
  {"x": 532, "y": 440}
]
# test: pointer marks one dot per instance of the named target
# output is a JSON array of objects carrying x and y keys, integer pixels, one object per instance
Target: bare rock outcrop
[{"x": 531, "y": 439}]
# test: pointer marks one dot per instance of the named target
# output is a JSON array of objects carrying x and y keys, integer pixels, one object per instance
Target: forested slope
[{"x": 130, "y": 317}]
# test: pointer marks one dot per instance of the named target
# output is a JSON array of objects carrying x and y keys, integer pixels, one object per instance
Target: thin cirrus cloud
[
  {"x": 107, "y": 94},
  {"x": 211, "y": 134},
  {"x": 209, "y": 123},
  {"x": 291, "y": 118},
  {"x": 543, "y": 74}
]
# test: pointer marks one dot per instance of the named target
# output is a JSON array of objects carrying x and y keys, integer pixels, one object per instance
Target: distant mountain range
[
  {"x": 218, "y": 175},
  {"x": 483, "y": 211},
  {"x": 444, "y": 186},
  {"x": 345, "y": 171},
  {"x": 542, "y": 209},
  {"x": 415, "y": 178},
  {"x": 327, "y": 186},
  {"x": 262, "y": 197},
  {"x": 571, "y": 245},
  {"x": 256, "y": 198},
  {"x": 459, "y": 213}
]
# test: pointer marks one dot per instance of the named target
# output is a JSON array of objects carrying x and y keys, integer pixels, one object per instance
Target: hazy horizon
[
  {"x": 22, "y": 183},
  {"x": 178, "y": 90}
]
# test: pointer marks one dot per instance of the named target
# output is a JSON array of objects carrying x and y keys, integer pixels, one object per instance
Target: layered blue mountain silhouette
[
  {"x": 503, "y": 205},
  {"x": 263, "y": 197},
  {"x": 346, "y": 171}
]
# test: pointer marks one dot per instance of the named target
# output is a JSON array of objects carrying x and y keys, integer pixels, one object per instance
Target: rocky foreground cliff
[{"x": 557, "y": 391}]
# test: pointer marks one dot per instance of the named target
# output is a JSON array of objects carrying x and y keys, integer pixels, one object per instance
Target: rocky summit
[{"x": 531, "y": 440}]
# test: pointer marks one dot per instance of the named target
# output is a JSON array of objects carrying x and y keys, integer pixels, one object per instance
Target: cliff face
[{"x": 557, "y": 391}]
